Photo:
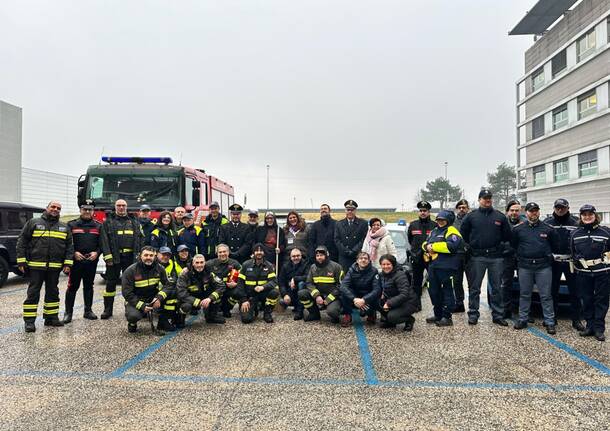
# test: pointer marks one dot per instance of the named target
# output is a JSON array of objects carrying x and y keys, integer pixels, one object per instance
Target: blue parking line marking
[
  {"x": 414, "y": 384},
  {"x": 119, "y": 372},
  {"x": 562, "y": 346},
  {"x": 370, "y": 376}
]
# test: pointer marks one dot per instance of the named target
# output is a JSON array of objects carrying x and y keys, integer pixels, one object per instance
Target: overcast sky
[{"x": 342, "y": 98}]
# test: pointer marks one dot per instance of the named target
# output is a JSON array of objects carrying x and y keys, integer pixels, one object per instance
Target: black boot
[
  {"x": 298, "y": 314},
  {"x": 577, "y": 324},
  {"x": 179, "y": 321},
  {"x": 89, "y": 315},
  {"x": 212, "y": 315},
  {"x": 313, "y": 313},
  {"x": 132, "y": 328},
  {"x": 108, "y": 305},
  {"x": 67, "y": 316},
  {"x": 30, "y": 326},
  {"x": 164, "y": 323},
  {"x": 267, "y": 317},
  {"x": 53, "y": 322}
]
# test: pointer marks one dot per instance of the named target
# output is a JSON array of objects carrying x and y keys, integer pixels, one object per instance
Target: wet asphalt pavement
[{"x": 293, "y": 375}]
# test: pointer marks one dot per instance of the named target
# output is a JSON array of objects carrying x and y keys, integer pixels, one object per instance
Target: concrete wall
[
  {"x": 10, "y": 152},
  {"x": 592, "y": 192},
  {"x": 568, "y": 27},
  {"x": 40, "y": 187}
]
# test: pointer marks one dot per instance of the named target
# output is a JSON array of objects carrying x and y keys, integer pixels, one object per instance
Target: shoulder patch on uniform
[{"x": 497, "y": 222}]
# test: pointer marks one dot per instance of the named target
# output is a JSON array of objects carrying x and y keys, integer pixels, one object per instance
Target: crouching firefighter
[
  {"x": 199, "y": 288},
  {"x": 256, "y": 287},
  {"x": 145, "y": 287},
  {"x": 322, "y": 292},
  {"x": 228, "y": 270}
]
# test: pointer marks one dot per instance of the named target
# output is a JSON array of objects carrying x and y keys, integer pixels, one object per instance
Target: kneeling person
[
  {"x": 398, "y": 299},
  {"x": 227, "y": 269},
  {"x": 322, "y": 292},
  {"x": 256, "y": 287},
  {"x": 198, "y": 287},
  {"x": 360, "y": 289},
  {"x": 145, "y": 287}
]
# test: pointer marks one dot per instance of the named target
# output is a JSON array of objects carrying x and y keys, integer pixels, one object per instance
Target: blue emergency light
[
  {"x": 402, "y": 222},
  {"x": 138, "y": 160}
]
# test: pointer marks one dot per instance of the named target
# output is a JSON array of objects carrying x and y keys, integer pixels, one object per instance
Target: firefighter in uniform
[
  {"x": 121, "y": 242},
  {"x": 211, "y": 229},
  {"x": 183, "y": 258},
  {"x": 200, "y": 288},
  {"x": 236, "y": 235},
  {"x": 227, "y": 269},
  {"x": 44, "y": 248},
  {"x": 349, "y": 235},
  {"x": 322, "y": 287},
  {"x": 87, "y": 249},
  {"x": 146, "y": 223},
  {"x": 590, "y": 249},
  {"x": 564, "y": 224},
  {"x": 191, "y": 235},
  {"x": 256, "y": 287},
  {"x": 145, "y": 287},
  {"x": 417, "y": 233},
  {"x": 172, "y": 270}
]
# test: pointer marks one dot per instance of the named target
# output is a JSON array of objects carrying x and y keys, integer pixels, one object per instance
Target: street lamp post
[
  {"x": 267, "y": 187},
  {"x": 446, "y": 190}
]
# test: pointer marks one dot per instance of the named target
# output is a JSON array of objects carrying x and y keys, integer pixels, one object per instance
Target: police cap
[
  {"x": 485, "y": 193},
  {"x": 214, "y": 204},
  {"x": 424, "y": 205},
  {"x": 165, "y": 250},
  {"x": 532, "y": 206},
  {"x": 182, "y": 247},
  {"x": 144, "y": 207},
  {"x": 587, "y": 208},
  {"x": 351, "y": 204},
  {"x": 236, "y": 208},
  {"x": 88, "y": 205},
  {"x": 561, "y": 203}
]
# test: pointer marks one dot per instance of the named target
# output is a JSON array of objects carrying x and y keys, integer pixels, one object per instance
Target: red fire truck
[{"x": 153, "y": 181}]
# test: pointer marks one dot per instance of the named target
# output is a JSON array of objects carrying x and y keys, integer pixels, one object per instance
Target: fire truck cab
[{"x": 154, "y": 181}]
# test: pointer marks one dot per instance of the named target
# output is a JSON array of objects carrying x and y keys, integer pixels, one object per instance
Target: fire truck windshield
[{"x": 156, "y": 191}]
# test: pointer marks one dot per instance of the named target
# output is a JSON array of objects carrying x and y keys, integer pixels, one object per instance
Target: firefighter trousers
[{"x": 50, "y": 279}]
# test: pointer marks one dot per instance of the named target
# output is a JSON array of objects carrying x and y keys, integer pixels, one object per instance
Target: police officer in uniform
[
  {"x": 236, "y": 235},
  {"x": 145, "y": 287},
  {"x": 417, "y": 233},
  {"x": 322, "y": 287},
  {"x": 211, "y": 229},
  {"x": 564, "y": 224},
  {"x": 225, "y": 268},
  {"x": 200, "y": 288},
  {"x": 349, "y": 235},
  {"x": 44, "y": 248},
  {"x": 513, "y": 214},
  {"x": 256, "y": 287},
  {"x": 121, "y": 243},
  {"x": 534, "y": 243},
  {"x": 590, "y": 248},
  {"x": 191, "y": 235},
  {"x": 87, "y": 249},
  {"x": 462, "y": 208},
  {"x": 486, "y": 231}
]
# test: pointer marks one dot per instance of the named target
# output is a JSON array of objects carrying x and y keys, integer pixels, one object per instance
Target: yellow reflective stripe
[
  {"x": 169, "y": 307},
  {"x": 146, "y": 283},
  {"x": 324, "y": 279},
  {"x": 126, "y": 250},
  {"x": 68, "y": 262},
  {"x": 30, "y": 306},
  {"x": 270, "y": 301},
  {"x": 242, "y": 276},
  {"x": 50, "y": 234},
  {"x": 51, "y": 304},
  {"x": 196, "y": 302},
  {"x": 107, "y": 256},
  {"x": 55, "y": 265},
  {"x": 215, "y": 295},
  {"x": 108, "y": 294},
  {"x": 193, "y": 288},
  {"x": 330, "y": 297},
  {"x": 232, "y": 301},
  {"x": 260, "y": 283},
  {"x": 37, "y": 264},
  {"x": 315, "y": 292},
  {"x": 452, "y": 230},
  {"x": 58, "y": 235},
  {"x": 139, "y": 304},
  {"x": 250, "y": 283},
  {"x": 271, "y": 275},
  {"x": 440, "y": 247},
  {"x": 125, "y": 232},
  {"x": 21, "y": 260},
  {"x": 171, "y": 301},
  {"x": 30, "y": 314},
  {"x": 54, "y": 311},
  {"x": 162, "y": 294},
  {"x": 341, "y": 274}
]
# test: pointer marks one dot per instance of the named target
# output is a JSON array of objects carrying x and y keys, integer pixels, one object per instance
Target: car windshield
[
  {"x": 156, "y": 191},
  {"x": 399, "y": 238}
]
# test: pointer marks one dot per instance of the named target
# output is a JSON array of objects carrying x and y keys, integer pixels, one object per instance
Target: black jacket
[
  {"x": 361, "y": 283},
  {"x": 349, "y": 238},
  {"x": 45, "y": 243},
  {"x": 322, "y": 232},
  {"x": 238, "y": 238},
  {"x": 193, "y": 286},
  {"x": 486, "y": 231},
  {"x": 141, "y": 284},
  {"x": 211, "y": 233},
  {"x": 147, "y": 227},
  {"x": 590, "y": 242},
  {"x": 534, "y": 244},
  {"x": 418, "y": 232},
  {"x": 119, "y": 234},
  {"x": 290, "y": 271},
  {"x": 164, "y": 237},
  {"x": 396, "y": 291},
  {"x": 86, "y": 235},
  {"x": 564, "y": 226}
]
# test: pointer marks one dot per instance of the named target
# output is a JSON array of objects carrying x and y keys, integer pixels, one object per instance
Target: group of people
[{"x": 181, "y": 265}]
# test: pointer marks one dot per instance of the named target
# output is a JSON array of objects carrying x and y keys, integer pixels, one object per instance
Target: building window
[
  {"x": 586, "y": 45},
  {"x": 538, "y": 127},
  {"x": 587, "y": 163},
  {"x": 522, "y": 179},
  {"x": 560, "y": 117},
  {"x": 537, "y": 79},
  {"x": 587, "y": 105},
  {"x": 560, "y": 170},
  {"x": 539, "y": 175},
  {"x": 559, "y": 63}
]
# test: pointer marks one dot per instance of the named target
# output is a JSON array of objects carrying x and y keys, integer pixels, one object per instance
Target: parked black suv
[{"x": 13, "y": 216}]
